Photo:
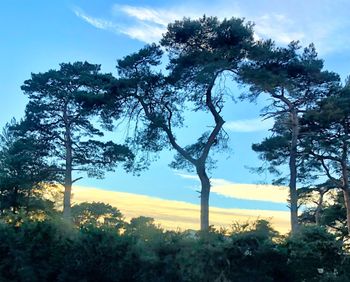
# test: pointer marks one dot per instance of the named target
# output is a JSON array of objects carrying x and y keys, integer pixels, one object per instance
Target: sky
[{"x": 38, "y": 35}]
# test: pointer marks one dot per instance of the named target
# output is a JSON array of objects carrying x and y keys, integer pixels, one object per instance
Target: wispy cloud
[
  {"x": 249, "y": 125},
  {"x": 148, "y": 24},
  {"x": 255, "y": 192},
  {"x": 176, "y": 214},
  {"x": 156, "y": 16},
  {"x": 329, "y": 34},
  {"x": 282, "y": 23},
  {"x": 154, "y": 21},
  {"x": 279, "y": 27},
  {"x": 96, "y": 22},
  {"x": 143, "y": 31},
  {"x": 186, "y": 176},
  {"x": 269, "y": 193}
]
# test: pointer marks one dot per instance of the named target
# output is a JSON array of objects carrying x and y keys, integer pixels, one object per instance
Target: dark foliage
[{"x": 53, "y": 250}]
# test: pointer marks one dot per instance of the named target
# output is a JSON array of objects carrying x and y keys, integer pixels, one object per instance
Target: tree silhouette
[
  {"x": 24, "y": 171},
  {"x": 201, "y": 52},
  {"x": 62, "y": 104},
  {"x": 328, "y": 140},
  {"x": 295, "y": 81}
]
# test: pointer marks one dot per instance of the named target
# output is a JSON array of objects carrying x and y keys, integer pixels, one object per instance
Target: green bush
[
  {"x": 313, "y": 254},
  {"x": 53, "y": 250}
]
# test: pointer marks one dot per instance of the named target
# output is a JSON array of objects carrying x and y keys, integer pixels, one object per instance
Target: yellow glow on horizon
[{"x": 176, "y": 214}]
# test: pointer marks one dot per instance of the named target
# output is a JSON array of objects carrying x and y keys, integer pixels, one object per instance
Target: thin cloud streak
[
  {"x": 249, "y": 125},
  {"x": 143, "y": 32},
  {"x": 96, "y": 22},
  {"x": 157, "y": 16}
]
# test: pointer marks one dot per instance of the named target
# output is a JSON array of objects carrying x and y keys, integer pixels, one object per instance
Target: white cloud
[
  {"x": 186, "y": 176},
  {"x": 149, "y": 24},
  {"x": 153, "y": 21},
  {"x": 328, "y": 33},
  {"x": 96, "y": 22},
  {"x": 278, "y": 27},
  {"x": 282, "y": 23},
  {"x": 269, "y": 193},
  {"x": 255, "y": 192},
  {"x": 249, "y": 125},
  {"x": 144, "y": 32},
  {"x": 157, "y": 16}
]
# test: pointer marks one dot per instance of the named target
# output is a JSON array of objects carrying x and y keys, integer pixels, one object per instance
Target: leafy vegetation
[{"x": 53, "y": 250}]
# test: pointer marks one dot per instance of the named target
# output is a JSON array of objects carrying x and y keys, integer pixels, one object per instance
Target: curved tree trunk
[
  {"x": 293, "y": 174},
  {"x": 200, "y": 162},
  {"x": 205, "y": 192}
]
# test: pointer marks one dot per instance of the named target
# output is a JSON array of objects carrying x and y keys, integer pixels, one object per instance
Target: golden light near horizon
[{"x": 174, "y": 215}]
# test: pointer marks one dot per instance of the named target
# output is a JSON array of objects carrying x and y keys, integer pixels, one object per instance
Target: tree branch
[{"x": 77, "y": 179}]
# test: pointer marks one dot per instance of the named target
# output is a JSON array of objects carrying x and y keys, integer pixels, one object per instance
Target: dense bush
[
  {"x": 53, "y": 250},
  {"x": 99, "y": 254},
  {"x": 34, "y": 251},
  {"x": 313, "y": 253}
]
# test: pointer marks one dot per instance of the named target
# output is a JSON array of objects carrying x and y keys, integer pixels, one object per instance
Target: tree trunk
[
  {"x": 67, "y": 196},
  {"x": 68, "y": 175},
  {"x": 293, "y": 174},
  {"x": 1, "y": 201},
  {"x": 67, "y": 186},
  {"x": 15, "y": 201},
  {"x": 200, "y": 162},
  {"x": 347, "y": 206},
  {"x": 205, "y": 191},
  {"x": 346, "y": 190},
  {"x": 319, "y": 209}
]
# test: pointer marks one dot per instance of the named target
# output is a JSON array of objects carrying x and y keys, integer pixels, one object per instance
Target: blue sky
[{"x": 38, "y": 35}]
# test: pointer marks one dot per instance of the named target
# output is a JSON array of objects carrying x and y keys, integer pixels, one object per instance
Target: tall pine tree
[
  {"x": 295, "y": 81},
  {"x": 62, "y": 105}
]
